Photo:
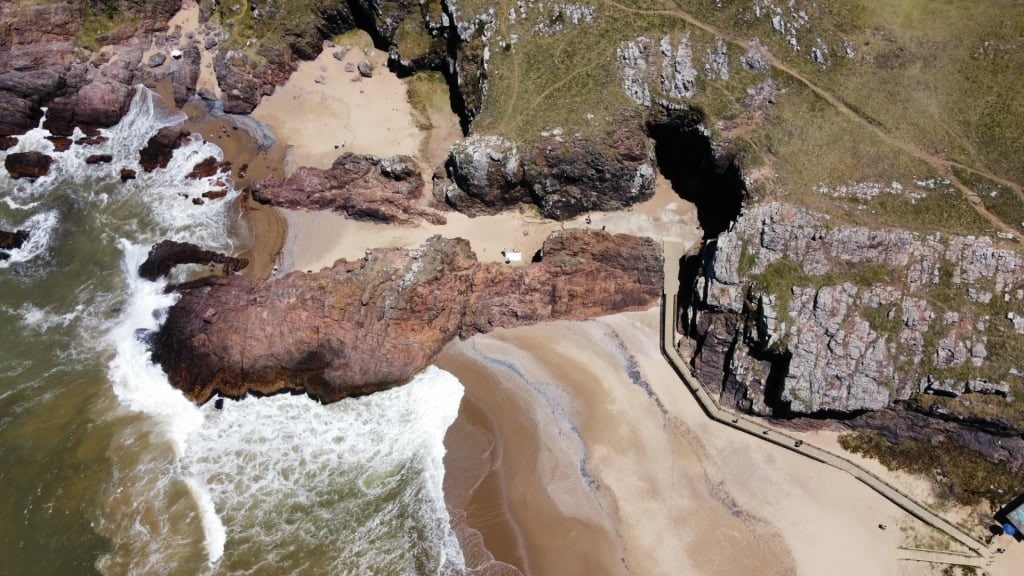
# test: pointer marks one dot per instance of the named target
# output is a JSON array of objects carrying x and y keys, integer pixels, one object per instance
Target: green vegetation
[
  {"x": 355, "y": 38},
  {"x": 958, "y": 475},
  {"x": 414, "y": 40},
  {"x": 428, "y": 95},
  {"x": 98, "y": 22},
  {"x": 1005, "y": 203},
  {"x": 275, "y": 26},
  {"x": 905, "y": 86},
  {"x": 885, "y": 320}
]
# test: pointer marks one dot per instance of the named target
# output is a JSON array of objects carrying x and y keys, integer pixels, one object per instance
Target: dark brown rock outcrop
[
  {"x": 11, "y": 241},
  {"x": 161, "y": 146},
  {"x": 97, "y": 105},
  {"x": 186, "y": 74},
  {"x": 563, "y": 175},
  {"x": 206, "y": 168},
  {"x": 27, "y": 164},
  {"x": 7, "y": 142},
  {"x": 99, "y": 159},
  {"x": 43, "y": 62},
  {"x": 163, "y": 257},
  {"x": 360, "y": 186},
  {"x": 60, "y": 143},
  {"x": 373, "y": 323}
]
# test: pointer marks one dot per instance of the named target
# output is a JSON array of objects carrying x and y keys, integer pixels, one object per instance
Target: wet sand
[
  {"x": 601, "y": 463},
  {"x": 258, "y": 230}
]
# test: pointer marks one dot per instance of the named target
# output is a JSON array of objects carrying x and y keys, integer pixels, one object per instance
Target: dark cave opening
[
  {"x": 366, "y": 21},
  {"x": 775, "y": 384},
  {"x": 710, "y": 179}
]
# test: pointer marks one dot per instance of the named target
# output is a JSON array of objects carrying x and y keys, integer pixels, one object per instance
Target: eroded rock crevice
[{"x": 699, "y": 173}]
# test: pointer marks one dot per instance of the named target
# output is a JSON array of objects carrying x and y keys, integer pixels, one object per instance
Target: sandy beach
[
  {"x": 577, "y": 450},
  {"x": 617, "y": 471}
]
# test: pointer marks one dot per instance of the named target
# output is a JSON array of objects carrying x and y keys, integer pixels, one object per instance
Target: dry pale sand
[
  {"x": 598, "y": 461},
  {"x": 317, "y": 239},
  {"x": 323, "y": 111}
]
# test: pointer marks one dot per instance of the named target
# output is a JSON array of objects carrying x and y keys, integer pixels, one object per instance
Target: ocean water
[{"x": 106, "y": 469}]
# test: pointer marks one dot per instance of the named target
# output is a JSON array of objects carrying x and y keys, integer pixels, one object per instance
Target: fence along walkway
[{"x": 674, "y": 252}]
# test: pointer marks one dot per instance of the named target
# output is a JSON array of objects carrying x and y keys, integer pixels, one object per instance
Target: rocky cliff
[
  {"x": 788, "y": 314},
  {"x": 371, "y": 324}
]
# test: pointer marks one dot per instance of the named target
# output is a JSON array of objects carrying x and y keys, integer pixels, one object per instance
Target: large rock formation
[
  {"x": 161, "y": 146},
  {"x": 790, "y": 315},
  {"x": 362, "y": 187},
  {"x": 164, "y": 256},
  {"x": 564, "y": 176},
  {"x": 27, "y": 164},
  {"x": 42, "y": 63},
  {"x": 373, "y": 323}
]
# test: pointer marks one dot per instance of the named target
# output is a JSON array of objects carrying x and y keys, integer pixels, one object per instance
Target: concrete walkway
[{"x": 674, "y": 251}]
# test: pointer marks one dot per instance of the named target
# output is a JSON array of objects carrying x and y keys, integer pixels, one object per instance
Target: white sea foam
[
  {"x": 361, "y": 477},
  {"x": 138, "y": 383},
  {"x": 41, "y": 227}
]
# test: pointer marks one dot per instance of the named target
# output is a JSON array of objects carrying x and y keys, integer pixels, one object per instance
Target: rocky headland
[
  {"x": 790, "y": 316},
  {"x": 371, "y": 324}
]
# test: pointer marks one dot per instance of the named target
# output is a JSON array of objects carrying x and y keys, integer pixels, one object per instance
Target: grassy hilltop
[{"x": 900, "y": 91}]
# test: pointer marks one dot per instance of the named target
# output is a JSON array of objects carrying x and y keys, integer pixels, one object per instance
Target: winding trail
[
  {"x": 674, "y": 252},
  {"x": 943, "y": 165}
]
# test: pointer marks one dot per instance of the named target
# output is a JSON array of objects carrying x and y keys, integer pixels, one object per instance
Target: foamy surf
[
  {"x": 359, "y": 480},
  {"x": 41, "y": 228},
  {"x": 283, "y": 482}
]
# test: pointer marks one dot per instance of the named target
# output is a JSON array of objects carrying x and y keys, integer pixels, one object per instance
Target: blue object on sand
[{"x": 1009, "y": 529}]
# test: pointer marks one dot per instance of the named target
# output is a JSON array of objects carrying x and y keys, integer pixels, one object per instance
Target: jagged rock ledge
[
  {"x": 363, "y": 187},
  {"x": 370, "y": 324},
  {"x": 563, "y": 175},
  {"x": 164, "y": 256}
]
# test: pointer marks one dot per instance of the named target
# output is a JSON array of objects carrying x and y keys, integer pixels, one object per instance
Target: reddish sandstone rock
[
  {"x": 27, "y": 164},
  {"x": 371, "y": 324},
  {"x": 360, "y": 186},
  {"x": 91, "y": 140},
  {"x": 163, "y": 257},
  {"x": 60, "y": 143},
  {"x": 160, "y": 148},
  {"x": 99, "y": 159},
  {"x": 127, "y": 174},
  {"x": 208, "y": 167},
  {"x": 8, "y": 141},
  {"x": 97, "y": 105}
]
